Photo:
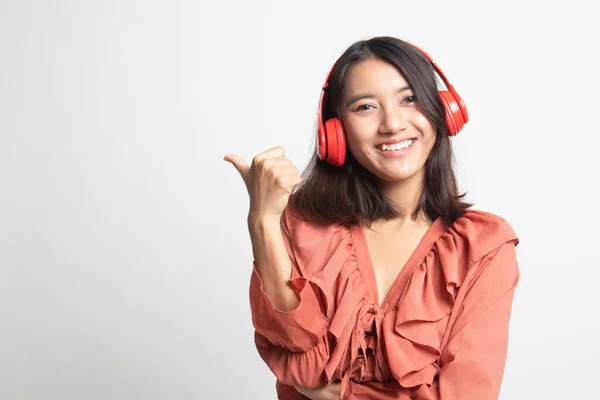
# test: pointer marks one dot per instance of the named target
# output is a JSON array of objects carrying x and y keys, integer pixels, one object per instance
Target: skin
[{"x": 331, "y": 392}]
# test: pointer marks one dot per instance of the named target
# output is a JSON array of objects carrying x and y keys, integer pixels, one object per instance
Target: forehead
[{"x": 373, "y": 75}]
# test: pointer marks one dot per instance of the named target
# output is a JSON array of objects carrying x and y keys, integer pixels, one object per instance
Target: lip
[{"x": 397, "y": 153}]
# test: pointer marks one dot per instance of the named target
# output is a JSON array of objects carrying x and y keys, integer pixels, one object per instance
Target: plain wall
[{"x": 124, "y": 253}]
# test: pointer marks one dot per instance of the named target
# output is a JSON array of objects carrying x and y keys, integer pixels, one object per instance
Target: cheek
[
  {"x": 360, "y": 130},
  {"x": 356, "y": 134},
  {"x": 358, "y": 146},
  {"x": 421, "y": 121},
  {"x": 354, "y": 144},
  {"x": 427, "y": 129}
]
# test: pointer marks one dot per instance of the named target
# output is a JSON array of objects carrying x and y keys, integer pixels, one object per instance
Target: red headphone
[{"x": 331, "y": 136}]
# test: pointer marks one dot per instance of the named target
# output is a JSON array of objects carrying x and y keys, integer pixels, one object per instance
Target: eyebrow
[{"x": 370, "y": 96}]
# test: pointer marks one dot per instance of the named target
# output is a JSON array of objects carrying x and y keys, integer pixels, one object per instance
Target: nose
[{"x": 393, "y": 119}]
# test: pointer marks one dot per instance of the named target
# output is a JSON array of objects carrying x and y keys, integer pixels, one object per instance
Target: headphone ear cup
[
  {"x": 322, "y": 141},
  {"x": 454, "y": 116},
  {"x": 336, "y": 142}
]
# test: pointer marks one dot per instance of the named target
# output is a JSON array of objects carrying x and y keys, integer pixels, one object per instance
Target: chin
[
  {"x": 393, "y": 178},
  {"x": 396, "y": 179}
]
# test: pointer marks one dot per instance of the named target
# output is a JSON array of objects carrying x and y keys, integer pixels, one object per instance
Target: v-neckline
[{"x": 365, "y": 261}]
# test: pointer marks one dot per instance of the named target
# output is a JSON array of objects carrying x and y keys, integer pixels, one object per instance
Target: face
[{"x": 379, "y": 113}]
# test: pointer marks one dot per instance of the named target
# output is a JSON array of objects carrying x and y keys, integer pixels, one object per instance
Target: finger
[
  {"x": 282, "y": 155},
  {"x": 289, "y": 182},
  {"x": 270, "y": 163},
  {"x": 239, "y": 163},
  {"x": 277, "y": 162},
  {"x": 284, "y": 170},
  {"x": 295, "y": 181},
  {"x": 275, "y": 152}
]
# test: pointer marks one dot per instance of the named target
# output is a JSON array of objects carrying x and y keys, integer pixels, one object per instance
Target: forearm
[{"x": 272, "y": 261}]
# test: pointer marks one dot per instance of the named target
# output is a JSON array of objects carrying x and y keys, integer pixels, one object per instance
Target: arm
[
  {"x": 290, "y": 328},
  {"x": 291, "y": 341},
  {"x": 272, "y": 262},
  {"x": 285, "y": 308},
  {"x": 473, "y": 360}
]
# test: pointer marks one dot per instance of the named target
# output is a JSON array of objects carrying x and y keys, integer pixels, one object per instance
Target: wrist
[{"x": 256, "y": 220}]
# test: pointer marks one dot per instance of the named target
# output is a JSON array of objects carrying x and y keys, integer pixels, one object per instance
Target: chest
[{"x": 389, "y": 254}]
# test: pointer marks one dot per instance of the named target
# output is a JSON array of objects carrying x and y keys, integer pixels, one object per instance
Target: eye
[
  {"x": 410, "y": 99},
  {"x": 361, "y": 107}
]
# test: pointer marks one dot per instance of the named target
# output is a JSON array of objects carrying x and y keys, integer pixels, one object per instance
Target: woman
[{"x": 371, "y": 278}]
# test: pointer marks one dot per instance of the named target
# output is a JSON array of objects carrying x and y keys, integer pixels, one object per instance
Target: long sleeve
[
  {"x": 292, "y": 343},
  {"x": 472, "y": 363},
  {"x": 296, "y": 330}
]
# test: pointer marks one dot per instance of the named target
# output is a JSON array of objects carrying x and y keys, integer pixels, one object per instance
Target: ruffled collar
[{"x": 365, "y": 262}]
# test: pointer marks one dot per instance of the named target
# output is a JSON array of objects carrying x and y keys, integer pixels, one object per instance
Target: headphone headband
[{"x": 449, "y": 86}]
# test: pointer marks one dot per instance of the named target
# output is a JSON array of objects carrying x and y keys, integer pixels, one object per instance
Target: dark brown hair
[{"x": 330, "y": 194}]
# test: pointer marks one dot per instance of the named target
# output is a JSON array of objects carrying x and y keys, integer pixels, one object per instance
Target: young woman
[{"x": 372, "y": 279}]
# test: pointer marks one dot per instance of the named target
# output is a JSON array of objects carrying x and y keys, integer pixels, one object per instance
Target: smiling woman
[
  {"x": 383, "y": 92},
  {"x": 372, "y": 279}
]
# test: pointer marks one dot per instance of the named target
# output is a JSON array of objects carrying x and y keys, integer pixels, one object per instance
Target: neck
[{"x": 406, "y": 195}]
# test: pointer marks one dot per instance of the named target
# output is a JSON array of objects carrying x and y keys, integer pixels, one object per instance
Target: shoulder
[
  {"x": 314, "y": 245},
  {"x": 301, "y": 229},
  {"x": 481, "y": 232},
  {"x": 483, "y": 225}
]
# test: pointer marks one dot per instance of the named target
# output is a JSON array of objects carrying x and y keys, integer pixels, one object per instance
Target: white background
[{"x": 124, "y": 252}]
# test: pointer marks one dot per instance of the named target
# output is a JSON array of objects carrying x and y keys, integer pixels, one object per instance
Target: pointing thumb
[{"x": 239, "y": 163}]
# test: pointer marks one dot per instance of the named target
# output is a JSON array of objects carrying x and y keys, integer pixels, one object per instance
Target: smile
[{"x": 397, "y": 149}]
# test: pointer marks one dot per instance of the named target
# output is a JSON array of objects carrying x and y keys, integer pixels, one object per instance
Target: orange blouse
[{"x": 441, "y": 333}]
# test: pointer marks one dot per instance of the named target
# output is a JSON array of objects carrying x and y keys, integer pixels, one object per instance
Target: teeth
[{"x": 396, "y": 146}]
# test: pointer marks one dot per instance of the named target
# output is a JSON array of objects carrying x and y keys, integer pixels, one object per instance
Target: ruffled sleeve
[
  {"x": 296, "y": 330},
  {"x": 474, "y": 359},
  {"x": 297, "y": 345}
]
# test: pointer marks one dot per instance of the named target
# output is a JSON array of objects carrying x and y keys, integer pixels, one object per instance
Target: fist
[{"x": 269, "y": 181}]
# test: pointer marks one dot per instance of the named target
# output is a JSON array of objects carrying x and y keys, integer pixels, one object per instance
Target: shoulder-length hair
[{"x": 330, "y": 194}]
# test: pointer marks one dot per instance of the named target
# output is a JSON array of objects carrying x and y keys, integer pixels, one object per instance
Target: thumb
[{"x": 239, "y": 163}]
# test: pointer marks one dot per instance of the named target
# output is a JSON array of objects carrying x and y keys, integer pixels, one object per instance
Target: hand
[
  {"x": 331, "y": 392},
  {"x": 269, "y": 181}
]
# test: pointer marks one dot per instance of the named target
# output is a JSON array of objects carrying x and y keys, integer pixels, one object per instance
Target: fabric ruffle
[
  {"x": 410, "y": 333},
  {"x": 422, "y": 312},
  {"x": 329, "y": 262}
]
